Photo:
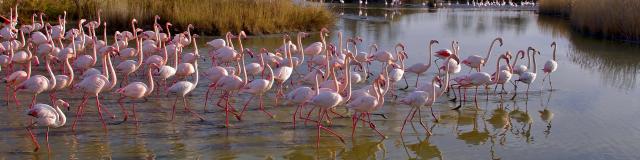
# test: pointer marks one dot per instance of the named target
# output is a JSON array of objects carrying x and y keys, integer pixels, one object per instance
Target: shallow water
[{"x": 593, "y": 103}]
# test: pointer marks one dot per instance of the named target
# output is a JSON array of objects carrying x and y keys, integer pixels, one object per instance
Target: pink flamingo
[
  {"x": 420, "y": 68},
  {"x": 186, "y": 69},
  {"x": 181, "y": 89},
  {"x": 258, "y": 87},
  {"x": 328, "y": 99},
  {"x": 476, "y": 61},
  {"x": 95, "y": 84},
  {"x": 282, "y": 73},
  {"x": 136, "y": 90},
  {"x": 550, "y": 66},
  {"x": 500, "y": 77},
  {"x": 131, "y": 52},
  {"x": 365, "y": 105},
  {"x": 50, "y": 117},
  {"x": 527, "y": 77},
  {"x": 229, "y": 84},
  {"x": 17, "y": 77},
  {"x": 128, "y": 67},
  {"x": 38, "y": 83},
  {"x": 301, "y": 96},
  {"x": 62, "y": 81}
]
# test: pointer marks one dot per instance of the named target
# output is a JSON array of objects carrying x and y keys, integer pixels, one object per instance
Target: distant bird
[
  {"x": 550, "y": 66},
  {"x": 47, "y": 116}
]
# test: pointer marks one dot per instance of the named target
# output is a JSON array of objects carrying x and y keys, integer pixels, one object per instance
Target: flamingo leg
[
  {"x": 406, "y": 83},
  {"x": 46, "y": 138},
  {"x": 104, "y": 124},
  {"x": 308, "y": 115},
  {"x": 33, "y": 138},
  {"x": 433, "y": 114},
  {"x": 262, "y": 107},
  {"x": 527, "y": 93},
  {"x": 354, "y": 122},
  {"x": 124, "y": 110},
  {"x": 373, "y": 126},
  {"x": 406, "y": 118},
  {"x": 418, "y": 77},
  {"x": 84, "y": 100},
  {"x": 186, "y": 107},
  {"x": 206, "y": 99},
  {"x": 15, "y": 98},
  {"x": 133, "y": 108},
  {"x": 326, "y": 129},
  {"x": 550, "y": 85},
  {"x": 295, "y": 114},
  {"x": 244, "y": 108},
  {"x": 173, "y": 111},
  {"x": 422, "y": 123}
]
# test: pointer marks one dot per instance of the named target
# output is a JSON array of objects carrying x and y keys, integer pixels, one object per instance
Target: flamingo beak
[
  {"x": 67, "y": 106},
  {"x": 33, "y": 113}
]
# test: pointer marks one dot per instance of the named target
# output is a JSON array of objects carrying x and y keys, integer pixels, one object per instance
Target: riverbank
[
  {"x": 613, "y": 19},
  {"x": 213, "y": 17}
]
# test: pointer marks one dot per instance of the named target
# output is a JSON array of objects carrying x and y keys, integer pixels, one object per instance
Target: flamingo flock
[{"x": 330, "y": 78}]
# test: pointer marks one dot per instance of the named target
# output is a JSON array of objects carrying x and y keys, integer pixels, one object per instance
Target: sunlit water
[{"x": 594, "y": 103}]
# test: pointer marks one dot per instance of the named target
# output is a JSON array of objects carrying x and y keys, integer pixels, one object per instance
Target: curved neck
[
  {"x": 52, "y": 77},
  {"x": 70, "y": 70},
  {"x": 165, "y": 56},
  {"x": 62, "y": 119},
  {"x": 340, "y": 42},
  {"x": 299, "y": 46},
  {"x": 150, "y": 83},
  {"x": 555, "y": 46},
  {"x": 348, "y": 77},
  {"x": 271, "y": 76},
  {"x": 447, "y": 77},
  {"x": 243, "y": 69},
  {"x": 140, "y": 56},
  {"x": 112, "y": 79},
  {"x": 533, "y": 57},
  {"x": 498, "y": 70},
  {"x": 386, "y": 75},
  {"x": 489, "y": 52},
  {"x": 430, "y": 55},
  {"x": 372, "y": 47},
  {"x": 195, "y": 83}
]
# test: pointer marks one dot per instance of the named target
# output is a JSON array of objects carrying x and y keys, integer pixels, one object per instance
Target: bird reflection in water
[
  {"x": 524, "y": 119},
  {"x": 475, "y": 136},
  {"x": 365, "y": 148},
  {"x": 546, "y": 115},
  {"x": 423, "y": 149}
]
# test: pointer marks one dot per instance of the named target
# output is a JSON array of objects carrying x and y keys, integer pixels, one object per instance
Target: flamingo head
[
  {"x": 433, "y": 42},
  {"x": 444, "y": 53},
  {"x": 61, "y": 102},
  {"x": 32, "y": 113},
  {"x": 303, "y": 34},
  {"x": 250, "y": 52}
]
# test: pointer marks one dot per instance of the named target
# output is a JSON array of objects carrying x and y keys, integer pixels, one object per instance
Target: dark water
[{"x": 594, "y": 104}]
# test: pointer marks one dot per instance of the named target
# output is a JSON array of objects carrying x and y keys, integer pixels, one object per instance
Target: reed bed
[
  {"x": 610, "y": 19},
  {"x": 209, "y": 16}
]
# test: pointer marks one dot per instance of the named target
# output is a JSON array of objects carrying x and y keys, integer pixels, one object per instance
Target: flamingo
[
  {"x": 329, "y": 99},
  {"x": 38, "y": 83},
  {"x": 365, "y": 105},
  {"x": 227, "y": 54},
  {"x": 95, "y": 84},
  {"x": 51, "y": 117},
  {"x": 128, "y": 67},
  {"x": 186, "y": 69},
  {"x": 420, "y": 68},
  {"x": 17, "y": 77},
  {"x": 502, "y": 76},
  {"x": 62, "y": 81},
  {"x": 516, "y": 69},
  {"x": 230, "y": 83},
  {"x": 416, "y": 100},
  {"x": 258, "y": 87},
  {"x": 282, "y": 73},
  {"x": 476, "y": 61},
  {"x": 301, "y": 96},
  {"x": 550, "y": 66},
  {"x": 165, "y": 72},
  {"x": 136, "y": 90},
  {"x": 527, "y": 77},
  {"x": 181, "y": 89}
]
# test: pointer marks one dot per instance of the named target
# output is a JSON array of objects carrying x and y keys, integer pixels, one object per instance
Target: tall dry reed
[
  {"x": 210, "y": 16},
  {"x": 611, "y": 19}
]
